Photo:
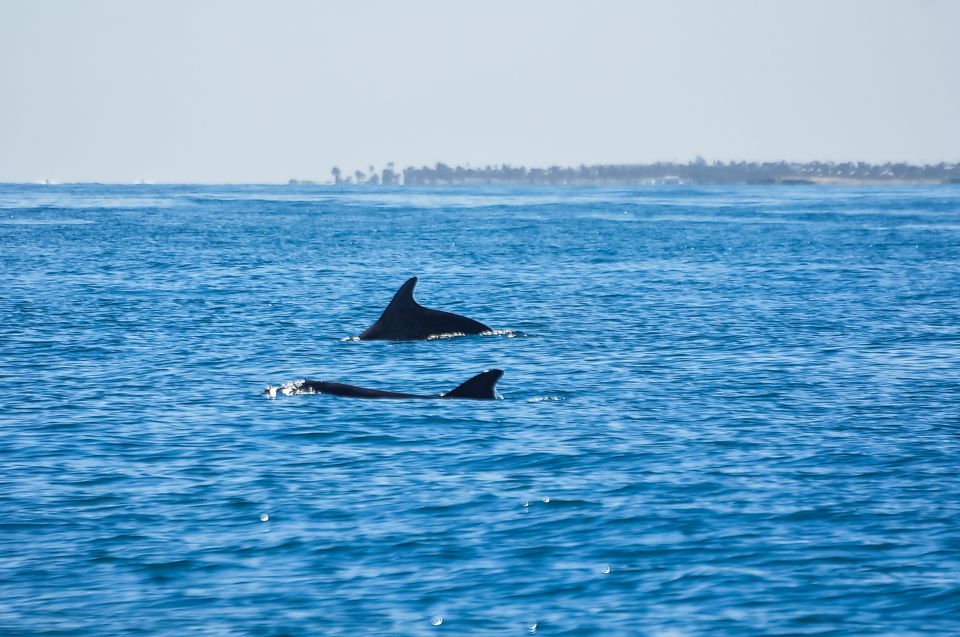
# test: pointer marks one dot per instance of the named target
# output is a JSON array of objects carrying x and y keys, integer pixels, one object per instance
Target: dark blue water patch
[{"x": 726, "y": 410}]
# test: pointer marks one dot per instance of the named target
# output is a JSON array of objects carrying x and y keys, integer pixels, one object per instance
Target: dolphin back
[
  {"x": 404, "y": 319},
  {"x": 480, "y": 387}
]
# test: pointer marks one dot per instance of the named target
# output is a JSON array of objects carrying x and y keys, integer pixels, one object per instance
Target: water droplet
[
  {"x": 546, "y": 500},
  {"x": 532, "y": 628},
  {"x": 437, "y": 620},
  {"x": 606, "y": 569},
  {"x": 264, "y": 517}
]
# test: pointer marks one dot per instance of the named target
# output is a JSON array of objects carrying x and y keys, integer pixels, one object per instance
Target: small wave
[
  {"x": 509, "y": 334},
  {"x": 491, "y": 333},
  {"x": 45, "y": 222},
  {"x": 545, "y": 399},
  {"x": 287, "y": 389},
  {"x": 440, "y": 337},
  {"x": 451, "y": 335}
]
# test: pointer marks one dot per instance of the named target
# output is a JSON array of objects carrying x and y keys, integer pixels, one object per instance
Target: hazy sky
[{"x": 231, "y": 91}]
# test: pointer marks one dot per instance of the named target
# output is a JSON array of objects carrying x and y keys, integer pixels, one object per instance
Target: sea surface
[{"x": 725, "y": 411}]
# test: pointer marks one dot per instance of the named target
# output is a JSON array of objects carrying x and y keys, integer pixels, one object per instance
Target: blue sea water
[{"x": 726, "y": 411}]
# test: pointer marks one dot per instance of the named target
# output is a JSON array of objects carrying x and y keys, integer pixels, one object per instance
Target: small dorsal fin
[{"x": 480, "y": 387}]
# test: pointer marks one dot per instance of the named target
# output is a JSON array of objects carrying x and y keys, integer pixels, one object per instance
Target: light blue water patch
[{"x": 726, "y": 411}]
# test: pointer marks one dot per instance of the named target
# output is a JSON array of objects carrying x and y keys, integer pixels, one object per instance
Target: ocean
[{"x": 725, "y": 411}]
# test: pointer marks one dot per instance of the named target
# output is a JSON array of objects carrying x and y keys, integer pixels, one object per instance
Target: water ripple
[{"x": 725, "y": 411}]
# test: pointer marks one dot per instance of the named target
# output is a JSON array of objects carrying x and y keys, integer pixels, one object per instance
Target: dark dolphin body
[
  {"x": 406, "y": 320},
  {"x": 480, "y": 387}
]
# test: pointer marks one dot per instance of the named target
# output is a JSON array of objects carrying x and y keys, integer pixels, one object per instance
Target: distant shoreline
[
  {"x": 615, "y": 183},
  {"x": 694, "y": 173},
  {"x": 697, "y": 172}
]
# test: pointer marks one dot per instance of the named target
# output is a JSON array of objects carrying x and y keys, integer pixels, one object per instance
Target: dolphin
[
  {"x": 406, "y": 320},
  {"x": 480, "y": 387}
]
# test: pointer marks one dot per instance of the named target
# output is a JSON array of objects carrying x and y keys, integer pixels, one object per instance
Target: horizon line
[{"x": 699, "y": 161}]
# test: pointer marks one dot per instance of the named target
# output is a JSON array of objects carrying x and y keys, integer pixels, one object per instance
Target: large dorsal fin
[
  {"x": 404, "y": 319},
  {"x": 480, "y": 387},
  {"x": 403, "y": 299}
]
